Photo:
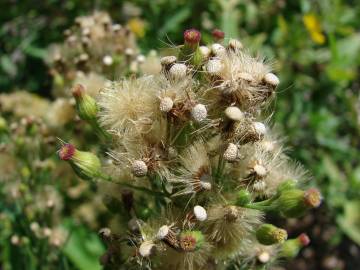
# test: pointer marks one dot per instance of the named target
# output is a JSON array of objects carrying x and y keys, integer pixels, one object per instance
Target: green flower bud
[
  {"x": 243, "y": 197},
  {"x": 85, "y": 164},
  {"x": 190, "y": 51},
  {"x": 191, "y": 240},
  {"x": 85, "y": 105},
  {"x": 268, "y": 234},
  {"x": 288, "y": 184},
  {"x": 295, "y": 202},
  {"x": 291, "y": 248},
  {"x": 3, "y": 125}
]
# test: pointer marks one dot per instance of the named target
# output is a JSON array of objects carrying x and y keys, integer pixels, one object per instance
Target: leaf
[
  {"x": 8, "y": 66},
  {"x": 83, "y": 248},
  {"x": 350, "y": 221}
]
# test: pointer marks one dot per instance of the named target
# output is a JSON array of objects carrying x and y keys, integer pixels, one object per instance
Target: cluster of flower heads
[
  {"x": 95, "y": 49},
  {"x": 194, "y": 143}
]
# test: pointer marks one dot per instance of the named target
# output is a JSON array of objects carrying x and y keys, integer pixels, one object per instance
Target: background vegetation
[{"x": 315, "y": 50}]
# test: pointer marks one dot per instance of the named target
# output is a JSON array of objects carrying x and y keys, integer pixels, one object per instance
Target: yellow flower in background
[
  {"x": 313, "y": 25},
  {"x": 137, "y": 26}
]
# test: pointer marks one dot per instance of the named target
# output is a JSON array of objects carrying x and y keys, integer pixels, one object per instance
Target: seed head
[
  {"x": 166, "y": 104},
  {"x": 200, "y": 213},
  {"x": 178, "y": 71},
  {"x": 214, "y": 67},
  {"x": 146, "y": 248},
  {"x": 199, "y": 113},
  {"x": 231, "y": 152},
  {"x": 271, "y": 79},
  {"x": 108, "y": 60},
  {"x": 260, "y": 170},
  {"x": 263, "y": 257},
  {"x": 259, "y": 128},
  {"x": 234, "y": 113},
  {"x": 205, "y": 52},
  {"x": 168, "y": 60},
  {"x": 218, "y": 49},
  {"x": 162, "y": 232},
  {"x": 139, "y": 168}
]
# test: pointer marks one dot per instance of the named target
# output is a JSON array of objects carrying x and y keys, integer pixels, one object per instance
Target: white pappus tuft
[
  {"x": 199, "y": 113},
  {"x": 139, "y": 168},
  {"x": 200, "y": 213}
]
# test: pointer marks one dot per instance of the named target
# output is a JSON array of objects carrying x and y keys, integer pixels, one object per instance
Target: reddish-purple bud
[
  {"x": 304, "y": 239},
  {"x": 66, "y": 151},
  {"x": 312, "y": 197},
  {"x": 78, "y": 91},
  {"x": 218, "y": 34},
  {"x": 192, "y": 36}
]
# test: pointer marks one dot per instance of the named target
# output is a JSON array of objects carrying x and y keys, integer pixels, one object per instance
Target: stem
[
  {"x": 143, "y": 189},
  {"x": 264, "y": 208}
]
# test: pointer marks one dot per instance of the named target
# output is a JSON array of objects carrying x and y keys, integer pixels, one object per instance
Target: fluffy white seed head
[
  {"x": 263, "y": 257},
  {"x": 200, "y": 213},
  {"x": 260, "y": 128},
  {"x": 139, "y": 168},
  {"x": 234, "y": 113},
  {"x": 272, "y": 79},
  {"x": 245, "y": 76},
  {"x": 146, "y": 248},
  {"x": 140, "y": 58},
  {"x": 199, "y": 113},
  {"x": 107, "y": 60},
  {"x": 205, "y": 51},
  {"x": 168, "y": 60},
  {"x": 231, "y": 152},
  {"x": 162, "y": 232},
  {"x": 235, "y": 44},
  {"x": 166, "y": 104},
  {"x": 178, "y": 71},
  {"x": 260, "y": 170},
  {"x": 214, "y": 66},
  {"x": 218, "y": 49}
]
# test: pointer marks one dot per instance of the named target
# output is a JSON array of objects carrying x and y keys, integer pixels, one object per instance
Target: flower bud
[
  {"x": 85, "y": 105},
  {"x": 271, "y": 79},
  {"x": 295, "y": 202},
  {"x": 288, "y": 184},
  {"x": 291, "y": 247},
  {"x": 199, "y": 113},
  {"x": 268, "y": 234},
  {"x": 178, "y": 71},
  {"x": 217, "y": 34},
  {"x": 3, "y": 125},
  {"x": 166, "y": 104},
  {"x": 192, "y": 36},
  {"x": 231, "y": 152},
  {"x": 85, "y": 164},
  {"x": 139, "y": 168},
  {"x": 191, "y": 240},
  {"x": 243, "y": 197},
  {"x": 234, "y": 113},
  {"x": 200, "y": 213}
]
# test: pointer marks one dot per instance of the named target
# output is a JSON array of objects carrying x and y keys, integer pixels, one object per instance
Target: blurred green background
[{"x": 314, "y": 47}]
